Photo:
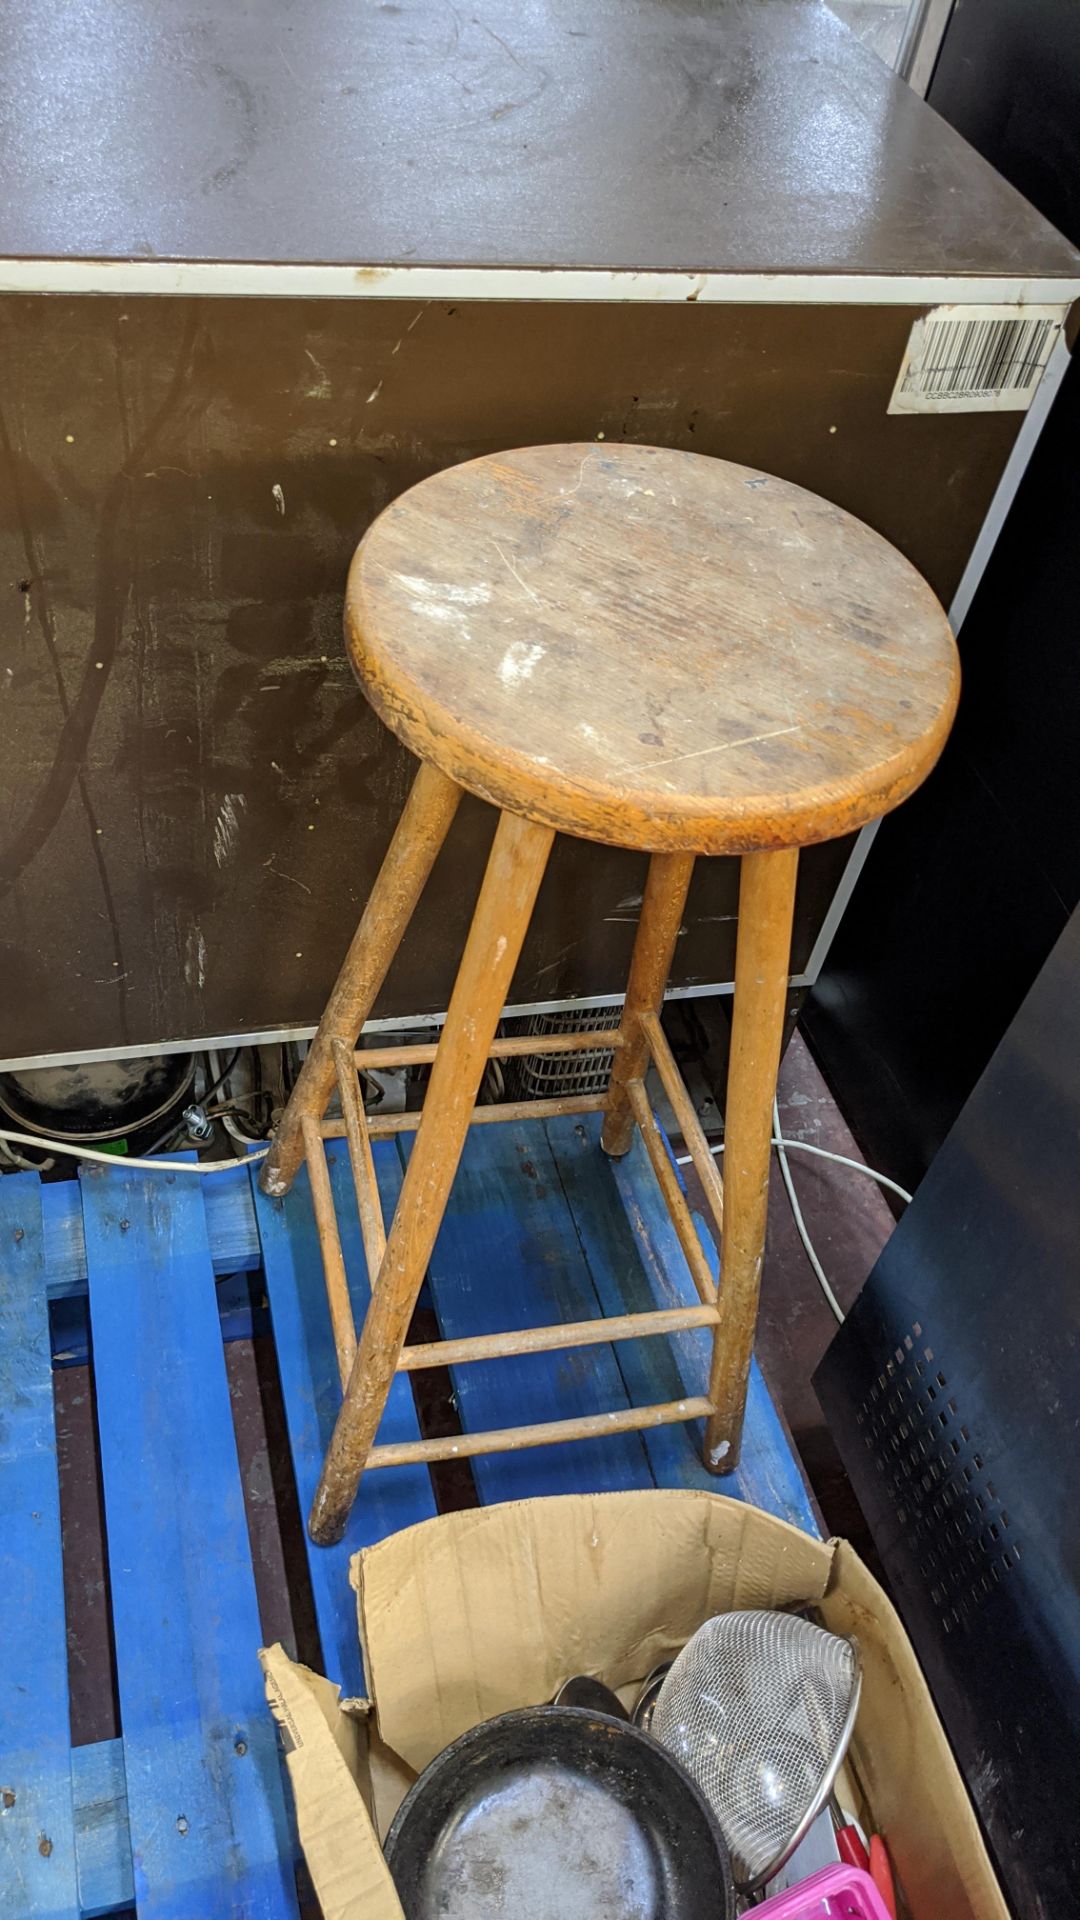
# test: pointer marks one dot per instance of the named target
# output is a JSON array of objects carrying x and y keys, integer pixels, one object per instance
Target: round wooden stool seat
[{"x": 651, "y": 648}]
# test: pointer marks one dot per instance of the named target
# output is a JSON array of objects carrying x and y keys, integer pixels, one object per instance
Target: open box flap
[
  {"x": 322, "y": 1753},
  {"x": 467, "y": 1615}
]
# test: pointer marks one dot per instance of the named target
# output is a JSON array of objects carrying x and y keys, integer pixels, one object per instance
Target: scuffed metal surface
[
  {"x": 194, "y": 796},
  {"x": 620, "y": 133}
]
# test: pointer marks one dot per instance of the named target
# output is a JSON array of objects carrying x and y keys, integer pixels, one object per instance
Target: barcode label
[{"x": 976, "y": 359}]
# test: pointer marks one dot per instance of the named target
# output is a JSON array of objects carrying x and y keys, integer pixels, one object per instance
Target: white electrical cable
[
  {"x": 800, "y": 1223},
  {"x": 119, "y": 1160},
  {"x": 783, "y": 1148},
  {"x": 842, "y": 1160},
  {"x": 224, "y": 1166},
  {"x": 18, "y": 1163},
  {"x": 823, "y": 1153}
]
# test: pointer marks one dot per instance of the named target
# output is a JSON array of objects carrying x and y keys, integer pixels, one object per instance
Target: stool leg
[
  {"x": 662, "y": 905},
  {"x": 514, "y": 872},
  {"x": 409, "y": 859},
  {"x": 762, "y": 962}
]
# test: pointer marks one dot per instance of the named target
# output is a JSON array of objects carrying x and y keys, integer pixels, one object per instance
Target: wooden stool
[{"x": 654, "y": 650}]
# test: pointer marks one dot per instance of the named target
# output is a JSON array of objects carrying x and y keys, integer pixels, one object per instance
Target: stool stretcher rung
[
  {"x": 368, "y": 1204},
  {"x": 506, "y": 1047},
  {"x": 675, "y": 1199},
  {"x": 337, "y": 1286},
  {"x": 591, "y": 1426},
  {"x": 569, "y": 1333},
  {"x": 683, "y": 1108},
  {"x": 383, "y": 1126}
]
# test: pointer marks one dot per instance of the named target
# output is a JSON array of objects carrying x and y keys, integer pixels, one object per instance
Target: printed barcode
[{"x": 979, "y": 358}]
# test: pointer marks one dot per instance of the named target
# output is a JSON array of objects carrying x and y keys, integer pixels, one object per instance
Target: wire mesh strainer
[{"x": 759, "y": 1708}]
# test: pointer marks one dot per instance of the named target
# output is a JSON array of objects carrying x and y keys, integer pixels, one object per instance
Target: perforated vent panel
[
  {"x": 938, "y": 1482},
  {"x": 952, "y": 1392}
]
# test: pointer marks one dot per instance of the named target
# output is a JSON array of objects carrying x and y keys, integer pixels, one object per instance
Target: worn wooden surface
[
  {"x": 504, "y": 1047},
  {"x": 633, "y": 1253},
  {"x": 671, "y": 1187},
  {"x": 424, "y": 824},
  {"x": 102, "y": 1838},
  {"x": 652, "y": 649},
  {"x": 792, "y": 678},
  {"x": 37, "y": 1844},
  {"x": 686, "y": 1117},
  {"x": 587, "y": 1235},
  {"x": 514, "y": 872},
  {"x": 383, "y": 1126},
  {"x": 556, "y": 1339},
  {"x": 337, "y": 1286},
  {"x": 508, "y": 1255},
  {"x": 205, "y": 1797},
  {"x": 361, "y": 1159},
  {"x": 230, "y": 1226},
  {"x": 663, "y": 904},
  {"x": 766, "y": 902},
  {"x": 543, "y": 1433},
  {"x": 312, "y": 1393},
  {"x": 543, "y": 1227}
]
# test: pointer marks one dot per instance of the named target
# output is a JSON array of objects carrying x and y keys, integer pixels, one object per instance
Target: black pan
[{"x": 558, "y": 1813}]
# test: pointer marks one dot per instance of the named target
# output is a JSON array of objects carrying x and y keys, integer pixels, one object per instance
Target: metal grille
[
  {"x": 756, "y": 1707},
  {"x": 536, "y": 1076},
  {"x": 938, "y": 1480}
]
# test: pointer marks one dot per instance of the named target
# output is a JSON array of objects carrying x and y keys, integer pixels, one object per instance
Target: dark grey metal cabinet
[
  {"x": 262, "y": 268},
  {"x": 970, "y": 885}
]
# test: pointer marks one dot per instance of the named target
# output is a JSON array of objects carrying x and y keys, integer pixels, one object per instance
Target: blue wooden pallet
[{"x": 185, "y": 1814}]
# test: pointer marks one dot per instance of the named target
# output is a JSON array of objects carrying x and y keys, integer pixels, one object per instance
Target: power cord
[
  {"x": 119, "y": 1160},
  {"x": 782, "y": 1145},
  {"x": 785, "y": 1146}
]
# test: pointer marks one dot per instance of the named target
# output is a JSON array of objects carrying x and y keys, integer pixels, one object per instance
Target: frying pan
[{"x": 558, "y": 1813}]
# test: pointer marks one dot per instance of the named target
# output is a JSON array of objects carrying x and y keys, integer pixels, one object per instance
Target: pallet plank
[
  {"x": 102, "y": 1839},
  {"x": 508, "y": 1256},
  {"x": 205, "y": 1803},
  {"x": 230, "y": 1225},
  {"x": 541, "y": 1228},
  {"x": 37, "y": 1831},
  {"x": 388, "y": 1500}
]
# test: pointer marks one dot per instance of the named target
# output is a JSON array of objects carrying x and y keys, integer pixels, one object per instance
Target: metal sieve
[{"x": 759, "y": 1708}]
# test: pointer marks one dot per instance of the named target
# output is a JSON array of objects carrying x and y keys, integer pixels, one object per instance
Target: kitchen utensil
[
  {"x": 849, "y": 1840},
  {"x": 646, "y": 1700},
  {"x": 852, "y": 1848},
  {"x": 558, "y": 1814},
  {"x": 816, "y": 1850},
  {"x": 837, "y": 1893},
  {"x": 759, "y": 1707},
  {"x": 581, "y": 1690},
  {"x": 881, "y": 1874},
  {"x": 852, "y": 1845}
]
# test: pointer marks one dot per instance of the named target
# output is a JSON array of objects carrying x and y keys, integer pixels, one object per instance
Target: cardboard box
[{"x": 473, "y": 1613}]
